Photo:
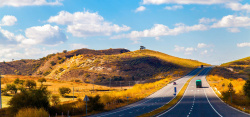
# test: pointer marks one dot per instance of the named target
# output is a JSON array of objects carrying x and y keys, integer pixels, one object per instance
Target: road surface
[
  {"x": 150, "y": 103},
  {"x": 201, "y": 102}
]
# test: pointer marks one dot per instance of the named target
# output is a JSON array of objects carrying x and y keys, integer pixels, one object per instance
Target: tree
[
  {"x": 55, "y": 100},
  {"x": 142, "y": 47},
  {"x": 246, "y": 88},
  {"x": 64, "y": 90},
  {"x": 30, "y": 83},
  {"x": 95, "y": 104},
  {"x": 41, "y": 80},
  {"x": 16, "y": 81},
  {"x": 34, "y": 98},
  {"x": 11, "y": 87}
]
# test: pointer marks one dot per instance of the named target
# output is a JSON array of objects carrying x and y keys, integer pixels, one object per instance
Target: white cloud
[
  {"x": 206, "y": 20},
  {"x": 233, "y": 30},
  {"x": 78, "y": 46},
  {"x": 187, "y": 51},
  {"x": 178, "y": 48},
  {"x": 141, "y": 8},
  {"x": 206, "y": 2},
  {"x": 202, "y": 45},
  {"x": 232, "y": 21},
  {"x": 19, "y": 3},
  {"x": 161, "y": 30},
  {"x": 204, "y": 52},
  {"x": 47, "y": 34},
  {"x": 8, "y": 20},
  {"x": 235, "y": 6},
  {"x": 83, "y": 24},
  {"x": 175, "y": 7},
  {"x": 243, "y": 44}
]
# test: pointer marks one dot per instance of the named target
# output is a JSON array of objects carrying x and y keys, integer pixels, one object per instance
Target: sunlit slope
[
  {"x": 175, "y": 60},
  {"x": 240, "y": 62}
]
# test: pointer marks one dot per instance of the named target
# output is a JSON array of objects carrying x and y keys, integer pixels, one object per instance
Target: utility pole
[{"x": 73, "y": 92}]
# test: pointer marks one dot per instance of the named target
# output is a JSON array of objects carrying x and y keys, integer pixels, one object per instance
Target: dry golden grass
[{"x": 240, "y": 101}]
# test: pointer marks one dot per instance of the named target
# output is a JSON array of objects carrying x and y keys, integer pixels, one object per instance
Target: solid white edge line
[
  {"x": 138, "y": 104},
  {"x": 226, "y": 103},
  {"x": 177, "y": 102}
]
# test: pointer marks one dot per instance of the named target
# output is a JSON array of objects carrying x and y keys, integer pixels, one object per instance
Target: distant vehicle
[
  {"x": 201, "y": 66},
  {"x": 198, "y": 84},
  {"x": 174, "y": 83}
]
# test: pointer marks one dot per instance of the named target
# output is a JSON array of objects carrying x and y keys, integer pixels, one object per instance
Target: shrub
[
  {"x": 11, "y": 87},
  {"x": 64, "y": 51},
  {"x": 16, "y": 81},
  {"x": 94, "y": 104},
  {"x": 246, "y": 88},
  {"x": 52, "y": 63},
  {"x": 64, "y": 90},
  {"x": 32, "y": 112},
  {"x": 41, "y": 80},
  {"x": 34, "y": 98},
  {"x": 62, "y": 60},
  {"x": 55, "y": 100},
  {"x": 30, "y": 83},
  {"x": 46, "y": 73}
]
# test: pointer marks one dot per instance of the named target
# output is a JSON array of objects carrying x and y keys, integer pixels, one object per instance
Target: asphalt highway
[
  {"x": 150, "y": 103},
  {"x": 201, "y": 102}
]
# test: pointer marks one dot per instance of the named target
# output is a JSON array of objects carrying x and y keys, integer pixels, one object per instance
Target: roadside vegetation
[{"x": 237, "y": 74}]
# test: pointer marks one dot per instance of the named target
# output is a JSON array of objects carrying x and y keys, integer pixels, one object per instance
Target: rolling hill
[
  {"x": 234, "y": 69},
  {"x": 100, "y": 66}
]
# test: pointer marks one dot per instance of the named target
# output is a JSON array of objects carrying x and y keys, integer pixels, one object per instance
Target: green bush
[
  {"x": 11, "y": 87},
  {"x": 94, "y": 104},
  {"x": 55, "y": 100},
  {"x": 32, "y": 112},
  {"x": 64, "y": 90},
  {"x": 52, "y": 63},
  {"x": 31, "y": 84},
  {"x": 41, "y": 80},
  {"x": 46, "y": 73},
  {"x": 34, "y": 98}
]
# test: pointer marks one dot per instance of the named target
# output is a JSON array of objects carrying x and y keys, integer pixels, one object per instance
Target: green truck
[{"x": 198, "y": 84}]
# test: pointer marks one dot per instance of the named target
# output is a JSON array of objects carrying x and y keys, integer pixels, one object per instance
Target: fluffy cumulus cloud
[
  {"x": 83, "y": 24},
  {"x": 238, "y": 6},
  {"x": 175, "y": 7},
  {"x": 206, "y": 20},
  {"x": 243, "y": 44},
  {"x": 206, "y": 2},
  {"x": 8, "y": 20},
  {"x": 161, "y": 30},
  {"x": 232, "y": 21},
  {"x": 19, "y": 3},
  {"x": 141, "y": 8},
  {"x": 47, "y": 34}
]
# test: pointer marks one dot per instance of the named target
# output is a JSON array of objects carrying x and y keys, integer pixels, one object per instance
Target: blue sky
[{"x": 211, "y": 31}]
